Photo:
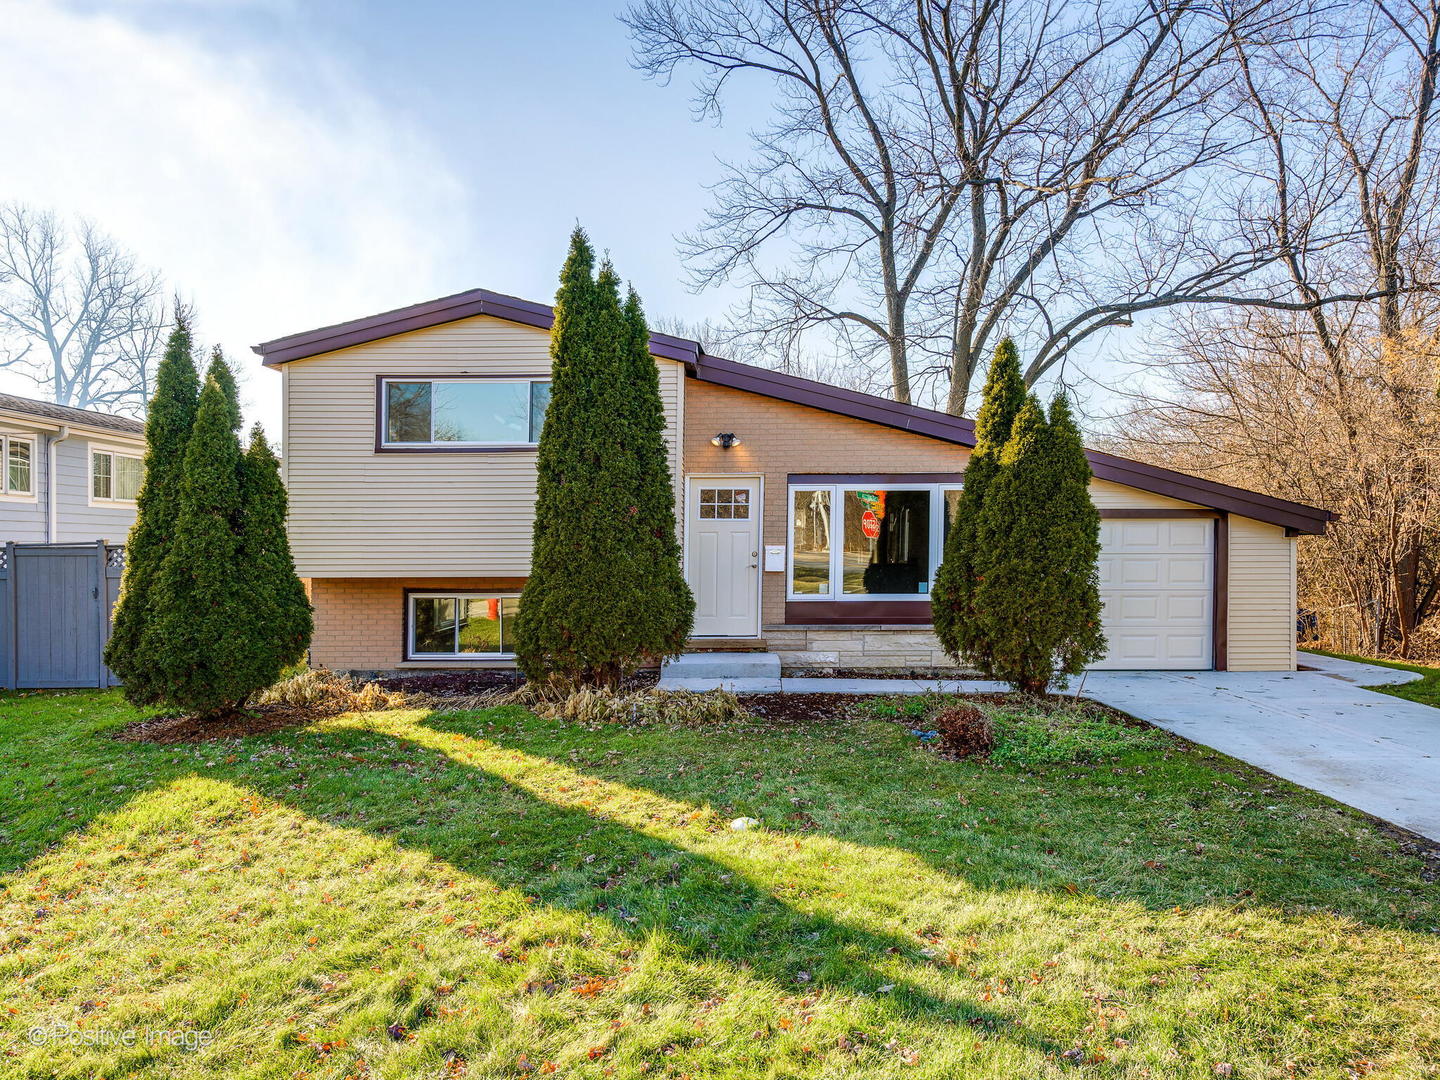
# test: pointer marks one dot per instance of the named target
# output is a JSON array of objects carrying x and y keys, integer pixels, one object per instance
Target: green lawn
[
  {"x": 1426, "y": 690},
  {"x": 515, "y": 897}
]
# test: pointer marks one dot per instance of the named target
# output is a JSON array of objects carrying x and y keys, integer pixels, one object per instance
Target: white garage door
[{"x": 1156, "y": 581}]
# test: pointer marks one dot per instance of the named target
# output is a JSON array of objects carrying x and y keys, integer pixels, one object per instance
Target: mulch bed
[
  {"x": 258, "y": 720},
  {"x": 484, "y": 681},
  {"x": 920, "y": 674}
]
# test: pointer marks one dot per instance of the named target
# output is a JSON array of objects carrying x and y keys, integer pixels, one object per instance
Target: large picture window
[
  {"x": 463, "y": 412},
  {"x": 470, "y": 625},
  {"x": 17, "y": 466},
  {"x": 852, "y": 542},
  {"x": 115, "y": 477}
]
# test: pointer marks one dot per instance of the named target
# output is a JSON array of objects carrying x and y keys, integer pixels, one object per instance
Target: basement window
[{"x": 470, "y": 626}]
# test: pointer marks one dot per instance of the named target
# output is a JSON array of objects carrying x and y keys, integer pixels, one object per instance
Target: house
[
  {"x": 67, "y": 475},
  {"x": 812, "y": 517}
]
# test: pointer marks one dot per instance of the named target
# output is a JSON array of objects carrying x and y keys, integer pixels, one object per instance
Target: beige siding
[
  {"x": 1108, "y": 496},
  {"x": 358, "y": 513},
  {"x": 1262, "y": 597}
]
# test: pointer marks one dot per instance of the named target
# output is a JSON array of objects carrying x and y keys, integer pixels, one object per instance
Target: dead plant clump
[
  {"x": 965, "y": 731},
  {"x": 589, "y": 706},
  {"x": 326, "y": 693}
]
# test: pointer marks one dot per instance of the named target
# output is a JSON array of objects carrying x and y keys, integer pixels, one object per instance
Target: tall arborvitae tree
[
  {"x": 662, "y": 606},
  {"x": 963, "y": 561},
  {"x": 604, "y": 593},
  {"x": 278, "y": 621},
  {"x": 224, "y": 376},
  {"x": 131, "y": 649},
  {"x": 1037, "y": 604},
  {"x": 200, "y": 601}
]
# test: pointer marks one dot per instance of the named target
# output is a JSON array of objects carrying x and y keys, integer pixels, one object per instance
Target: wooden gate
[{"x": 55, "y": 606}]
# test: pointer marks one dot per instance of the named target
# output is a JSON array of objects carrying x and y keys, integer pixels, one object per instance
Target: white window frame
[
  {"x": 837, "y": 535},
  {"x": 6, "y": 438},
  {"x": 383, "y": 407},
  {"x": 113, "y": 452},
  {"x": 453, "y": 594}
]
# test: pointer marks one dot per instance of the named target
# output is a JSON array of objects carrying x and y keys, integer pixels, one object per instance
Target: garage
[{"x": 1157, "y": 583}]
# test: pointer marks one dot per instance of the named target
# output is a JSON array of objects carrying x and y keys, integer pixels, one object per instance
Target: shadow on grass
[{"x": 576, "y": 858}]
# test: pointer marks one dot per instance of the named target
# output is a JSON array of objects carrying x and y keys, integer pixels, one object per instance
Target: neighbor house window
[
  {"x": 463, "y": 412},
  {"x": 852, "y": 542},
  {"x": 115, "y": 477},
  {"x": 461, "y": 625},
  {"x": 17, "y": 471}
]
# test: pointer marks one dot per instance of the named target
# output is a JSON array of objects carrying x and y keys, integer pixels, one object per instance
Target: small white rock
[{"x": 740, "y": 824}]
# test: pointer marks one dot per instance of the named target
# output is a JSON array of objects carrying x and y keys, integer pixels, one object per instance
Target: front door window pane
[
  {"x": 435, "y": 625},
  {"x": 19, "y": 468},
  {"x": 886, "y": 547},
  {"x": 481, "y": 412},
  {"x": 810, "y": 544},
  {"x": 407, "y": 412}
]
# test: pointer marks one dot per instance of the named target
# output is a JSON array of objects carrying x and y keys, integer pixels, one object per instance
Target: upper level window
[
  {"x": 849, "y": 542},
  {"x": 115, "y": 477},
  {"x": 463, "y": 412},
  {"x": 17, "y": 472}
]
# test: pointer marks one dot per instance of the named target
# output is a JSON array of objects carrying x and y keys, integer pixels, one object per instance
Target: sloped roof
[
  {"x": 64, "y": 414},
  {"x": 757, "y": 380}
]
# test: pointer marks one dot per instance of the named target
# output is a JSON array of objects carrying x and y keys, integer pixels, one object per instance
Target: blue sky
[{"x": 288, "y": 163}]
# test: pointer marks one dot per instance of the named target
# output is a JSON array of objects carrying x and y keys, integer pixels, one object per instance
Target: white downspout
[{"x": 52, "y": 478}]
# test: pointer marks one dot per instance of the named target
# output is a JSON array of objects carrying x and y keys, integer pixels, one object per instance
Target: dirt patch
[
  {"x": 800, "y": 708},
  {"x": 190, "y": 729}
]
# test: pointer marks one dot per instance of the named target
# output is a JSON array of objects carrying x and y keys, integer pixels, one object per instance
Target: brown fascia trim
[
  {"x": 791, "y": 388},
  {"x": 430, "y": 313},
  {"x": 958, "y": 430}
]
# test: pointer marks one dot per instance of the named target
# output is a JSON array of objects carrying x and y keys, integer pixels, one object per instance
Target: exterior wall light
[{"x": 725, "y": 440}]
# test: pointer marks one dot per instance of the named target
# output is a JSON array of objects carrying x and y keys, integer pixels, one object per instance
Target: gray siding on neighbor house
[
  {"x": 79, "y": 520},
  {"x": 23, "y": 521}
]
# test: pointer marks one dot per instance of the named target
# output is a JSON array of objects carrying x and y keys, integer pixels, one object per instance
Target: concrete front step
[{"x": 722, "y": 665}]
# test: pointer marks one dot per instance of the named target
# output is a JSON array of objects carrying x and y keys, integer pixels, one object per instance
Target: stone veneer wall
[{"x": 899, "y": 647}]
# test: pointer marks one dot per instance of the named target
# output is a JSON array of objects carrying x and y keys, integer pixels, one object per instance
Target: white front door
[
  {"x": 1157, "y": 584},
  {"x": 722, "y": 537}
]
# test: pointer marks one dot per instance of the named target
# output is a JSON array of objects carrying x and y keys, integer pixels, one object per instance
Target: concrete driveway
[
  {"x": 1317, "y": 728},
  {"x": 1320, "y": 729}
]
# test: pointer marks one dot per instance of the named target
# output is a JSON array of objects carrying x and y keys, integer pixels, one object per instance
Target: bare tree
[
  {"x": 85, "y": 320},
  {"x": 1261, "y": 402},
  {"x": 938, "y": 174}
]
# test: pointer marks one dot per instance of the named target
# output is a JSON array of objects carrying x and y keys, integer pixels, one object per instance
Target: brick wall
[
  {"x": 360, "y": 622},
  {"x": 778, "y": 438}
]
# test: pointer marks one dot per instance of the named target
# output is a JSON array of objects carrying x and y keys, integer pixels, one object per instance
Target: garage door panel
[{"x": 1156, "y": 579}]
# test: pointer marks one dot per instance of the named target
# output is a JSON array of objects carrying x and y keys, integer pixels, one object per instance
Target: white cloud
[{"x": 273, "y": 190}]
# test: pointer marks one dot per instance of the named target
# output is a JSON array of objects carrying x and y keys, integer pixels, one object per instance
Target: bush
[{"x": 965, "y": 731}]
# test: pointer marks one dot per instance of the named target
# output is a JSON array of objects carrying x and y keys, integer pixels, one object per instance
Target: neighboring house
[
  {"x": 812, "y": 517},
  {"x": 67, "y": 475}
]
